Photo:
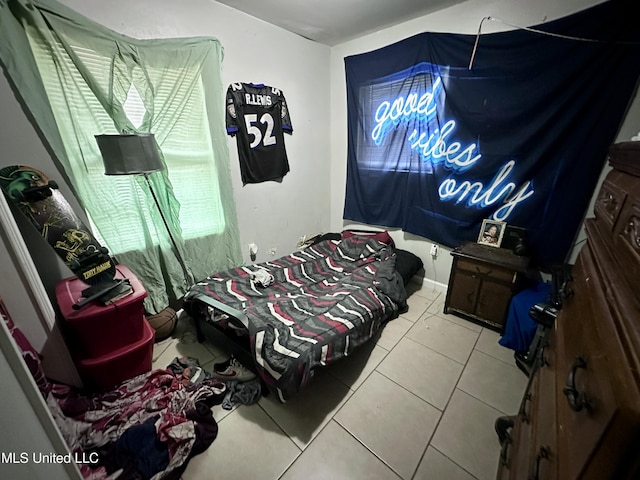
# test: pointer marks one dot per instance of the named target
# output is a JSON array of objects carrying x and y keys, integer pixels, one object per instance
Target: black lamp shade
[{"x": 129, "y": 154}]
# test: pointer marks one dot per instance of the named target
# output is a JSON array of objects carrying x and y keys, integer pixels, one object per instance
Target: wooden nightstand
[{"x": 482, "y": 282}]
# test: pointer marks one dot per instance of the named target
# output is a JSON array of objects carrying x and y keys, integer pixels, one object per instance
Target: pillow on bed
[
  {"x": 382, "y": 237},
  {"x": 407, "y": 264}
]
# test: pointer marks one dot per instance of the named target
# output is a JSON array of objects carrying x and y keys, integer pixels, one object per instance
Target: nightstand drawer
[{"x": 493, "y": 272}]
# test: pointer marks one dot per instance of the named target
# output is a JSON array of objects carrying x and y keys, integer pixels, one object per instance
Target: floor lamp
[{"x": 138, "y": 155}]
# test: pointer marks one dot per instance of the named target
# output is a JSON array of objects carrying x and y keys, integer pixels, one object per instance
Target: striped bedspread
[{"x": 322, "y": 302}]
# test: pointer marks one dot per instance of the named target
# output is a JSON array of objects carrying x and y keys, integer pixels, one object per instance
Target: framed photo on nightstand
[{"x": 491, "y": 232}]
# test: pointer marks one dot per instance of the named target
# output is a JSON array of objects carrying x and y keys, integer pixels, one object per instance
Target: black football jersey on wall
[{"x": 258, "y": 116}]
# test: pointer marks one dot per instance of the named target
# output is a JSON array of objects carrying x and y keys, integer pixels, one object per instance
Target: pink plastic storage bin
[
  {"x": 95, "y": 329},
  {"x": 108, "y": 371}
]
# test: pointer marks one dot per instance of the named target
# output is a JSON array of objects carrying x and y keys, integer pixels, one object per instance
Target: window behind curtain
[
  {"x": 75, "y": 77},
  {"x": 185, "y": 144}
]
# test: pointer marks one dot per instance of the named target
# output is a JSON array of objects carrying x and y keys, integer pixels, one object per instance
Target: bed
[{"x": 287, "y": 317}]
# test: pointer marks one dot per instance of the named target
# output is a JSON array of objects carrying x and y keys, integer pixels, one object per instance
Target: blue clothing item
[
  {"x": 521, "y": 328},
  {"x": 149, "y": 454}
]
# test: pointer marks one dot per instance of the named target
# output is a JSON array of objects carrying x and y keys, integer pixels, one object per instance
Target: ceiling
[{"x": 332, "y": 22}]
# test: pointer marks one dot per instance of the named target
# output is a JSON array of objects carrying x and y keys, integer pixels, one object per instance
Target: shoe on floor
[{"x": 230, "y": 370}]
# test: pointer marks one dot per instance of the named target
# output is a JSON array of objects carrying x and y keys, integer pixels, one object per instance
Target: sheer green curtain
[{"x": 79, "y": 79}]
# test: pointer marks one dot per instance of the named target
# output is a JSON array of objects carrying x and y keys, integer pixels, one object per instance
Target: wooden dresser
[{"x": 580, "y": 415}]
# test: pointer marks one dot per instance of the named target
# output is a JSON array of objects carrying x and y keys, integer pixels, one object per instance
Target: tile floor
[{"x": 416, "y": 403}]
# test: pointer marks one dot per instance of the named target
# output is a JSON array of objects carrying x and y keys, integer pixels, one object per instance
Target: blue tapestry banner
[{"x": 435, "y": 147}]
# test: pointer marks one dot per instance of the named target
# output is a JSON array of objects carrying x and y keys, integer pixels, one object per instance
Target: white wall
[{"x": 463, "y": 18}]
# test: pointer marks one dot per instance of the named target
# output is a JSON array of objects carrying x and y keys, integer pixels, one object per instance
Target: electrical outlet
[{"x": 434, "y": 250}]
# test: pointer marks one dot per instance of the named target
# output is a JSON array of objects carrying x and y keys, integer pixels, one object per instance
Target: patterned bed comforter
[{"x": 321, "y": 303}]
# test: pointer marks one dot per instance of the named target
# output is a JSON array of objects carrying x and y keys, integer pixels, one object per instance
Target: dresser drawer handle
[
  {"x": 542, "y": 360},
  {"x": 633, "y": 230},
  {"x": 523, "y": 408},
  {"x": 503, "y": 426},
  {"x": 577, "y": 400},
  {"x": 610, "y": 203},
  {"x": 542, "y": 454}
]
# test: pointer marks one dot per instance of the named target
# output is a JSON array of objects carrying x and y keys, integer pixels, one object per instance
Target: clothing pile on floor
[
  {"x": 147, "y": 428},
  {"x": 242, "y": 386},
  {"x": 150, "y": 426}
]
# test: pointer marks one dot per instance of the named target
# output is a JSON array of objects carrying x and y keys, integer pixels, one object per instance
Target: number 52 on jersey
[{"x": 257, "y": 115}]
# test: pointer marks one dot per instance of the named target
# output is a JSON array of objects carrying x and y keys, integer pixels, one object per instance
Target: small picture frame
[{"x": 491, "y": 232}]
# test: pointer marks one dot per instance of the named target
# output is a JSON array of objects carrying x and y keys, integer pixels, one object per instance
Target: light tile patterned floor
[{"x": 417, "y": 403}]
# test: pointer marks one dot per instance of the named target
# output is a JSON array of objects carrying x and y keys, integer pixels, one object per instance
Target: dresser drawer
[
  {"x": 493, "y": 272},
  {"x": 533, "y": 453},
  {"x": 515, "y": 461},
  {"x": 585, "y": 400},
  {"x": 630, "y": 236},
  {"x": 545, "y": 444},
  {"x": 609, "y": 203}
]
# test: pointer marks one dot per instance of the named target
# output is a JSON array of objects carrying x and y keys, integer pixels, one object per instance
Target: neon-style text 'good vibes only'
[{"x": 434, "y": 143}]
